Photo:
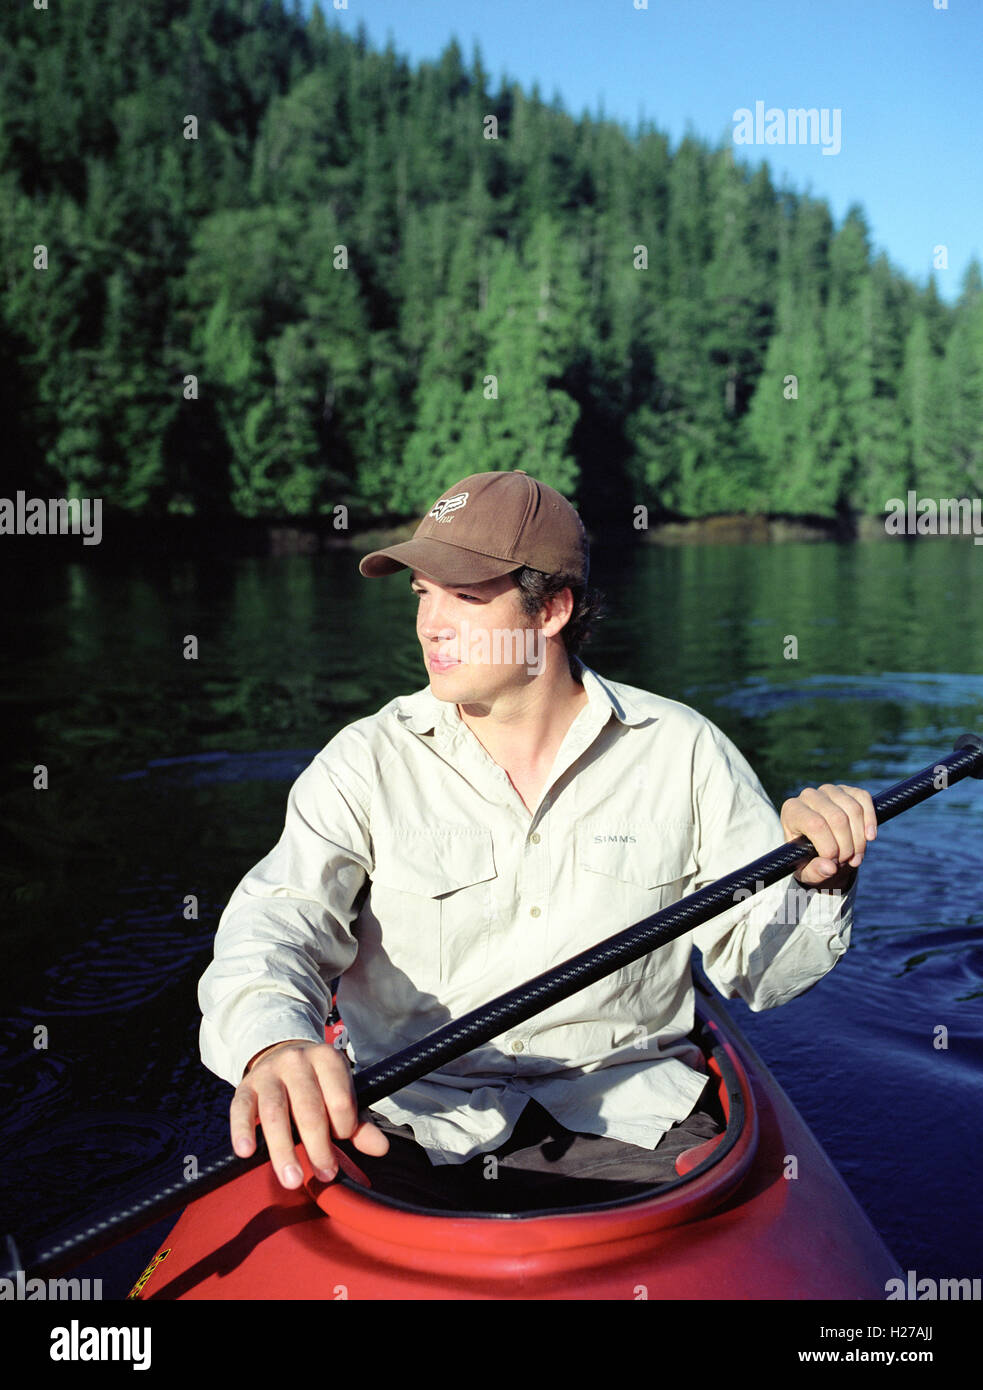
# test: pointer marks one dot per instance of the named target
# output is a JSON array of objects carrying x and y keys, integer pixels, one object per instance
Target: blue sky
[{"x": 906, "y": 77}]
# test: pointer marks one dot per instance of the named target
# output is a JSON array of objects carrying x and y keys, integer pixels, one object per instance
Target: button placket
[
  {"x": 535, "y": 890},
  {"x": 536, "y": 885}
]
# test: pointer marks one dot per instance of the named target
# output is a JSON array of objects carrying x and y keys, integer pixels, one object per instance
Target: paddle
[{"x": 459, "y": 1037}]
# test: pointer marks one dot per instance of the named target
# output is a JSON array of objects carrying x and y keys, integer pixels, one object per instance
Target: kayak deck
[{"x": 743, "y": 1222}]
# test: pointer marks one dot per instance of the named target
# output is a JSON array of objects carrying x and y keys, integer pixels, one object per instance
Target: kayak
[{"x": 758, "y": 1212}]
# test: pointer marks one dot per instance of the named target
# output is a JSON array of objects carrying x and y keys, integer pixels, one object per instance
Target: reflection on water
[{"x": 168, "y": 777}]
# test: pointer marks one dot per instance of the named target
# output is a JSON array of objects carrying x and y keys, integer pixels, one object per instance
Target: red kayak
[{"x": 759, "y": 1212}]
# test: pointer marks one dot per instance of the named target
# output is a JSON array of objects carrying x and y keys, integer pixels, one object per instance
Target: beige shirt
[{"x": 410, "y": 867}]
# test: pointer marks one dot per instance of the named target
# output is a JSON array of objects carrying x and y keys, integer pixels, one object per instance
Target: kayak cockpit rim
[{"x": 737, "y": 1119}]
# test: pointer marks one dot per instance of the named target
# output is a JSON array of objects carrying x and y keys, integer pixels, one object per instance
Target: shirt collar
[
  {"x": 601, "y": 694},
  {"x": 422, "y": 712}
]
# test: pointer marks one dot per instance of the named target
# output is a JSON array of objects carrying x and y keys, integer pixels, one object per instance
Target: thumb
[
  {"x": 817, "y": 871},
  {"x": 369, "y": 1139}
]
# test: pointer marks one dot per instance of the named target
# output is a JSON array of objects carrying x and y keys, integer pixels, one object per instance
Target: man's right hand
[{"x": 313, "y": 1082}]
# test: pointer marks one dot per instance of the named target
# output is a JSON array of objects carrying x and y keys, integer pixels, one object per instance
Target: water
[{"x": 168, "y": 779}]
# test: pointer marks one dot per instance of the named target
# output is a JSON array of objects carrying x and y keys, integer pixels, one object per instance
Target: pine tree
[
  {"x": 963, "y": 391},
  {"x": 926, "y": 425}
]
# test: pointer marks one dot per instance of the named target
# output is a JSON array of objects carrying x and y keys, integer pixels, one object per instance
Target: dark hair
[{"x": 536, "y": 589}]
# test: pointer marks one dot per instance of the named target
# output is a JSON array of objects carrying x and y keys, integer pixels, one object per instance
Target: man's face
[{"x": 477, "y": 641}]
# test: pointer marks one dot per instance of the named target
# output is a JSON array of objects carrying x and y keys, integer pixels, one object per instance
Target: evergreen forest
[{"x": 254, "y": 267}]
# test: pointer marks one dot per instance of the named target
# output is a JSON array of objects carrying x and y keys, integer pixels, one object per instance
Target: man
[{"x": 474, "y": 834}]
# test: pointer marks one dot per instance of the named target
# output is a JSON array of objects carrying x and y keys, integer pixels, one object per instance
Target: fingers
[
  {"x": 847, "y": 823},
  {"x": 312, "y": 1083},
  {"x": 294, "y": 1086},
  {"x": 262, "y": 1097},
  {"x": 839, "y": 820},
  {"x": 259, "y": 1098},
  {"x": 869, "y": 816},
  {"x": 242, "y": 1121},
  {"x": 335, "y": 1078}
]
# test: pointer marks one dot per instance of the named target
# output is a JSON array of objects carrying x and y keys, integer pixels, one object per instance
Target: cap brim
[{"x": 445, "y": 563}]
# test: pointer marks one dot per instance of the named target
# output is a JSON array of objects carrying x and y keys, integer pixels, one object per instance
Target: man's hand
[
  {"x": 313, "y": 1082},
  {"x": 839, "y": 821}
]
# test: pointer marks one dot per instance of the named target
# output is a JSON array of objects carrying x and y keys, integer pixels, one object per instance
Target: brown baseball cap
[{"x": 488, "y": 525}]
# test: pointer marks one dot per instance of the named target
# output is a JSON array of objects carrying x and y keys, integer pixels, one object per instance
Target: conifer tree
[{"x": 962, "y": 379}]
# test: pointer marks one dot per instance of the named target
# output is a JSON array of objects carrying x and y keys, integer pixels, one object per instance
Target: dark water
[{"x": 168, "y": 778}]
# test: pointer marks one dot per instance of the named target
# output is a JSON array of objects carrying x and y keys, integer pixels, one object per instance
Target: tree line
[{"x": 255, "y": 267}]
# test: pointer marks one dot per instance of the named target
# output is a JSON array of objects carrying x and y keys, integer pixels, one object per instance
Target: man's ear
[{"x": 556, "y": 612}]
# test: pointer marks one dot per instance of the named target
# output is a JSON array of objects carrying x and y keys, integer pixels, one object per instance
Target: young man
[{"x": 472, "y": 835}]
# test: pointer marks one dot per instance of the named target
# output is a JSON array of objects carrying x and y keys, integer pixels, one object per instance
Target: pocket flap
[
  {"x": 647, "y": 854},
  {"x": 434, "y": 859}
]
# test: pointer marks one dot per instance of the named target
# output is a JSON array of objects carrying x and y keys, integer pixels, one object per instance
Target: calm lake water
[{"x": 168, "y": 777}]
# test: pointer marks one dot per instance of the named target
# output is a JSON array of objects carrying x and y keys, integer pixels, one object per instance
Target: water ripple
[
  {"x": 111, "y": 1147},
  {"x": 127, "y": 960},
  {"x": 37, "y": 1076},
  {"x": 203, "y": 769},
  {"x": 758, "y": 696}
]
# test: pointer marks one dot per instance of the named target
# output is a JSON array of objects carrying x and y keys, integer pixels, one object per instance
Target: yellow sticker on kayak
[{"x": 158, "y": 1258}]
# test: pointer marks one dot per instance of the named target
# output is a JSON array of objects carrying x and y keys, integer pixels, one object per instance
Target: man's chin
[
  {"x": 460, "y": 685},
  {"x": 448, "y": 684}
]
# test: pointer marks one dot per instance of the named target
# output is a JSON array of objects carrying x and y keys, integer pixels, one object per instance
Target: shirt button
[
  {"x": 534, "y": 912},
  {"x": 535, "y": 837},
  {"x": 518, "y": 1045}
]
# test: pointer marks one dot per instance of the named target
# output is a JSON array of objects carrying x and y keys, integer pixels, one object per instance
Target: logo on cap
[{"x": 448, "y": 504}]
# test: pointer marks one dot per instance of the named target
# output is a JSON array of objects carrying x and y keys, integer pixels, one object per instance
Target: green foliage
[
  {"x": 375, "y": 298},
  {"x": 505, "y": 410},
  {"x": 963, "y": 389}
]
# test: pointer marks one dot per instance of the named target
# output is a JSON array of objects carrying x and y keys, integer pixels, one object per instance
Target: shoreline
[{"x": 185, "y": 537}]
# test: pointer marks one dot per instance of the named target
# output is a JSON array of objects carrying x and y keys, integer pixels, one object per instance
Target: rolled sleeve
[
  {"x": 286, "y": 932},
  {"x": 779, "y": 943}
]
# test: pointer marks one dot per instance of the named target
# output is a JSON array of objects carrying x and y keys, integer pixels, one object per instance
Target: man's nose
[{"x": 434, "y": 624}]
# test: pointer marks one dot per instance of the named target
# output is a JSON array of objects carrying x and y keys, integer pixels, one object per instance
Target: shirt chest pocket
[
  {"x": 433, "y": 894},
  {"x": 633, "y": 870}
]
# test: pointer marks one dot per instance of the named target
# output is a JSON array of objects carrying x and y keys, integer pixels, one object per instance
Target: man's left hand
[{"x": 840, "y": 821}]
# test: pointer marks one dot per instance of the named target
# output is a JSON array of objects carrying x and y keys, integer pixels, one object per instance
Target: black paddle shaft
[
  {"x": 487, "y": 1022},
  {"x": 479, "y": 1026}
]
